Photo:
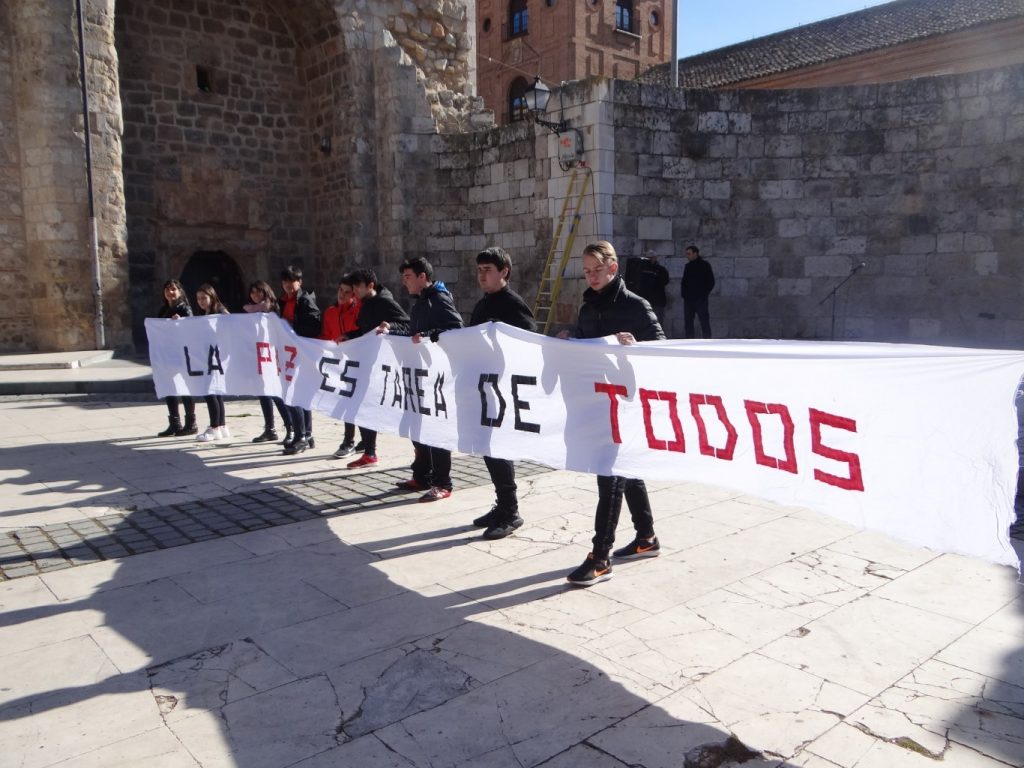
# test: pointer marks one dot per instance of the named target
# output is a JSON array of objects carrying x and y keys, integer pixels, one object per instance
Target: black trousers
[
  {"x": 369, "y": 438},
  {"x": 611, "y": 489},
  {"x": 698, "y": 307},
  {"x": 503, "y": 475},
  {"x": 215, "y": 407},
  {"x": 302, "y": 421},
  {"x": 190, "y": 409},
  {"x": 432, "y": 466},
  {"x": 267, "y": 405}
]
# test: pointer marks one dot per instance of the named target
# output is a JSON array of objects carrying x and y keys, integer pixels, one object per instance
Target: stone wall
[
  {"x": 15, "y": 311},
  {"x": 787, "y": 191}
]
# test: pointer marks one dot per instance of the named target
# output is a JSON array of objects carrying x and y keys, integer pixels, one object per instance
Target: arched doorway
[{"x": 219, "y": 270}]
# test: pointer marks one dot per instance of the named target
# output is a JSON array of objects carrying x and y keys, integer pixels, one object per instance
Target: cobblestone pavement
[{"x": 45, "y": 548}]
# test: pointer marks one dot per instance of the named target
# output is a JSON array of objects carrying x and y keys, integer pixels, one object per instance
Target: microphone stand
[{"x": 832, "y": 295}]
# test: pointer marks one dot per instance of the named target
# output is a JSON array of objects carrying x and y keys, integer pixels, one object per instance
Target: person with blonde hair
[{"x": 609, "y": 308}]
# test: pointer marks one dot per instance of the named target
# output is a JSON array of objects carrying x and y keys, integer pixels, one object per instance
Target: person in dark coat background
[{"x": 695, "y": 287}]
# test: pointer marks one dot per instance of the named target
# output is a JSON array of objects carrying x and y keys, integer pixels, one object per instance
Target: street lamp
[{"x": 537, "y": 96}]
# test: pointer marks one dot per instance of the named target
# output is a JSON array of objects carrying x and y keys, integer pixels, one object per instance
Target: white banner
[{"x": 916, "y": 442}]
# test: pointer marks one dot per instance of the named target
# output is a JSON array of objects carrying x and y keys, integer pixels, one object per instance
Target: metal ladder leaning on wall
[{"x": 551, "y": 279}]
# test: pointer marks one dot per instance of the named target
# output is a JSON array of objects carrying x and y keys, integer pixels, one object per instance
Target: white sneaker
[
  {"x": 224, "y": 433},
  {"x": 208, "y": 435}
]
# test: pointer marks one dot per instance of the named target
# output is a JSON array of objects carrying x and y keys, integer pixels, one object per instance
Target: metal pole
[
  {"x": 94, "y": 247},
  {"x": 675, "y": 43}
]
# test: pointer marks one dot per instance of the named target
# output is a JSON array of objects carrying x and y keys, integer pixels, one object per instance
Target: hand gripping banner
[{"x": 916, "y": 442}]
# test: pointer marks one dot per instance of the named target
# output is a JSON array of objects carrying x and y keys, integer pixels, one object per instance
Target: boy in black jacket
[
  {"x": 299, "y": 308},
  {"x": 433, "y": 312},
  {"x": 502, "y": 304},
  {"x": 610, "y": 308},
  {"x": 378, "y": 308}
]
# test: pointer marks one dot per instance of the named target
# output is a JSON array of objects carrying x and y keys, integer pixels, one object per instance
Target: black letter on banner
[
  {"x": 485, "y": 420},
  {"x": 408, "y": 403},
  {"x": 348, "y": 379},
  {"x": 320, "y": 367},
  {"x": 421, "y": 373},
  {"x": 213, "y": 360},
  {"x": 440, "y": 404},
  {"x": 523, "y": 405},
  {"x": 397, "y": 399},
  {"x": 188, "y": 365},
  {"x": 384, "y": 391}
]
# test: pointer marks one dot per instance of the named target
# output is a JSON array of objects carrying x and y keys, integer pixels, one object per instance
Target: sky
[{"x": 708, "y": 24}]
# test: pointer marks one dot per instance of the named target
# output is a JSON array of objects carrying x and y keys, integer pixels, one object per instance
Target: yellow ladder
[{"x": 551, "y": 280}]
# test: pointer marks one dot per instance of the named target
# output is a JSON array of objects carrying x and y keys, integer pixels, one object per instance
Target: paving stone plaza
[{"x": 169, "y": 603}]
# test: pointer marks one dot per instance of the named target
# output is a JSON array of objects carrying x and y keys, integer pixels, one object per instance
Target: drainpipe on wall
[
  {"x": 675, "y": 43},
  {"x": 94, "y": 249}
]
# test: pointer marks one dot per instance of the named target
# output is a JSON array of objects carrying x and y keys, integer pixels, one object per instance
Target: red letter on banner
[
  {"x": 263, "y": 355},
  {"x": 678, "y": 444},
  {"x": 855, "y": 482},
  {"x": 289, "y": 364},
  {"x": 613, "y": 391},
  {"x": 696, "y": 401},
  {"x": 754, "y": 410}
]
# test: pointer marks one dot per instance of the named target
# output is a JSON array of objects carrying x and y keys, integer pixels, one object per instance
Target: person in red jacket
[{"x": 338, "y": 326}]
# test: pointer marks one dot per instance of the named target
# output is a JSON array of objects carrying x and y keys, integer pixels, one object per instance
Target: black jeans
[
  {"x": 215, "y": 407},
  {"x": 302, "y": 421},
  {"x": 369, "y": 438},
  {"x": 610, "y": 491},
  {"x": 503, "y": 475},
  {"x": 267, "y": 405},
  {"x": 432, "y": 466},
  {"x": 698, "y": 307}
]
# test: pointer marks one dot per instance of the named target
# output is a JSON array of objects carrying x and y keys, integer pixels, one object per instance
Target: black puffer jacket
[
  {"x": 379, "y": 308},
  {"x": 307, "y": 314},
  {"x": 433, "y": 312},
  {"x": 616, "y": 310},
  {"x": 181, "y": 309},
  {"x": 505, "y": 306}
]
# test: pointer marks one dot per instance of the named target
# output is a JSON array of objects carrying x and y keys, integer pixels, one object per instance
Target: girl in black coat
[{"x": 176, "y": 306}]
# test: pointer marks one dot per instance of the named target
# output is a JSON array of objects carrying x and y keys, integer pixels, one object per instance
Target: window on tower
[
  {"x": 517, "y": 100},
  {"x": 624, "y": 15},
  {"x": 518, "y": 18}
]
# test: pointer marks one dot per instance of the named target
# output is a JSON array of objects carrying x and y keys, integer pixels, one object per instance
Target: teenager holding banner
[
  {"x": 176, "y": 306},
  {"x": 609, "y": 308},
  {"x": 340, "y": 324},
  {"x": 377, "y": 307},
  {"x": 500, "y": 303},
  {"x": 299, "y": 309},
  {"x": 209, "y": 304},
  {"x": 262, "y": 299},
  {"x": 433, "y": 312}
]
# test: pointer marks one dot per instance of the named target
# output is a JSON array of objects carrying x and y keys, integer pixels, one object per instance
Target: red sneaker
[
  {"x": 363, "y": 461},
  {"x": 436, "y": 494}
]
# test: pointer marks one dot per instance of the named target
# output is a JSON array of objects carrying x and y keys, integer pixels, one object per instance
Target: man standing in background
[{"x": 695, "y": 287}]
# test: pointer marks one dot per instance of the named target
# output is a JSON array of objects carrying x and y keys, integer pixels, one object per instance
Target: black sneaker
[
  {"x": 504, "y": 528},
  {"x": 489, "y": 520},
  {"x": 360, "y": 447},
  {"x": 345, "y": 449},
  {"x": 591, "y": 572},
  {"x": 268, "y": 436},
  {"x": 638, "y": 548}
]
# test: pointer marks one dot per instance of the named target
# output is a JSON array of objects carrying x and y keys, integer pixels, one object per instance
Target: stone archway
[
  {"x": 219, "y": 270},
  {"x": 230, "y": 113}
]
